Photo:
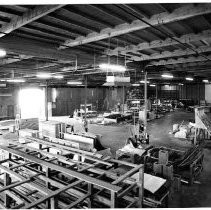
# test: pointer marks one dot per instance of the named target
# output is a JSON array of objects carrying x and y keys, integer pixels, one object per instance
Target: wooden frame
[{"x": 51, "y": 171}]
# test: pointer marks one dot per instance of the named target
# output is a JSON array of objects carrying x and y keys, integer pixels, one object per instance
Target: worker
[
  {"x": 17, "y": 123},
  {"x": 86, "y": 125}
]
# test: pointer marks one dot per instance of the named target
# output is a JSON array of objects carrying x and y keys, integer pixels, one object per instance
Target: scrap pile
[{"x": 188, "y": 165}]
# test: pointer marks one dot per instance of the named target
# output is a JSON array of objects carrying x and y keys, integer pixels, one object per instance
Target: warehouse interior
[{"x": 105, "y": 105}]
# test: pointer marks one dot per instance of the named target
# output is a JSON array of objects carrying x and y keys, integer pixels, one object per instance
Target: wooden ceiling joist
[
  {"x": 163, "y": 18},
  {"x": 186, "y": 39},
  {"x": 179, "y": 60},
  {"x": 39, "y": 49},
  {"x": 29, "y": 16},
  {"x": 169, "y": 54},
  {"x": 14, "y": 60}
]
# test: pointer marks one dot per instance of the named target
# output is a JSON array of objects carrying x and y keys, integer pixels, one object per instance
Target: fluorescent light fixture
[
  {"x": 181, "y": 84},
  {"x": 152, "y": 85},
  {"x": 16, "y": 80},
  {"x": 205, "y": 80},
  {"x": 74, "y": 83},
  {"x": 111, "y": 67},
  {"x": 189, "y": 78},
  {"x": 2, "y": 53},
  {"x": 143, "y": 81},
  {"x": 44, "y": 75},
  {"x": 117, "y": 79},
  {"x": 3, "y": 80},
  {"x": 58, "y": 76},
  {"x": 167, "y": 75},
  {"x": 135, "y": 84}
]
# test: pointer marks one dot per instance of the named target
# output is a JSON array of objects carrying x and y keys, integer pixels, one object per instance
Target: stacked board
[{"x": 52, "y": 128}]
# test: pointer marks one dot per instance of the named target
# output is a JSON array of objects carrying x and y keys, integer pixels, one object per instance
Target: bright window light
[
  {"x": 114, "y": 68},
  {"x": 16, "y": 80},
  {"x": 2, "y": 53},
  {"x": 58, "y": 76},
  {"x": 32, "y": 103},
  {"x": 167, "y": 75},
  {"x": 44, "y": 76},
  {"x": 143, "y": 81},
  {"x": 205, "y": 80},
  {"x": 189, "y": 78}
]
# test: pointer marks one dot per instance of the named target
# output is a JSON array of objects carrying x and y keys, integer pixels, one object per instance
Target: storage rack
[{"x": 36, "y": 178}]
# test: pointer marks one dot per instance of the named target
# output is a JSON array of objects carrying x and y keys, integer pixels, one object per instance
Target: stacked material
[
  {"x": 6, "y": 124},
  {"x": 31, "y": 123},
  {"x": 83, "y": 142},
  {"x": 27, "y": 132},
  {"x": 52, "y": 128}
]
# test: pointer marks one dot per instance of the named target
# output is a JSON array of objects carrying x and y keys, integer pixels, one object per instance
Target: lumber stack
[
  {"x": 31, "y": 123},
  {"x": 52, "y": 128}
]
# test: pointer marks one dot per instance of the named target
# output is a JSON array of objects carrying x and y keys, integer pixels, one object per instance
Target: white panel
[{"x": 208, "y": 93}]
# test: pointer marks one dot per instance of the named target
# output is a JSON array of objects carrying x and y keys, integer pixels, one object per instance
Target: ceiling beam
[
  {"x": 164, "y": 18},
  {"x": 186, "y": 39},
  {"x": 110, "y": 12},
  {"x": 14, "y": 60},
  {"x": 169, "y": 54},
  {"x": 28, "y": 17},
  {"x": 179, "y": 60},
  {"x": 18, "y": 45}
]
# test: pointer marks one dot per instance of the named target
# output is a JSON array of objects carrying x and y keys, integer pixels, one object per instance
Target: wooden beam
[
  {"x": 23, "y": 46},
  {"x": 51, "y": 195},
  {"x": 79, "y": 200},
  {"x": 28, "y": 17},
  {"x": 109, "y": 12},
  {"x": 204, "y": 35},
  {"x": 179, "y": 60},
  {"x": 69, "y": 172},
  {"x": 128, "y": 174},
  {"x": 169, "y": 54},
  {"x": 177, "y": 15},
  {"x": 14, "y": 60}
]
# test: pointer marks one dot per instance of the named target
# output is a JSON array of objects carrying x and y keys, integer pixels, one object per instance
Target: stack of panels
[
  {"x": 52, "y": 128},
  {"x": 31, "y": 123}
]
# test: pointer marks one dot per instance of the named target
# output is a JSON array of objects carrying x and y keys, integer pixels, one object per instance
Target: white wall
[{"x": 208, "y": 93}]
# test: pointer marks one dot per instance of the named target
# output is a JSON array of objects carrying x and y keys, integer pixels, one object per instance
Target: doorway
[{"x": 32, "y": 103}]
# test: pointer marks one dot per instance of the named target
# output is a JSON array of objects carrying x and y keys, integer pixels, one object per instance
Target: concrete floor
[
  {"x": 197, "y": 195},
  {"x": 114, "y": 137}
]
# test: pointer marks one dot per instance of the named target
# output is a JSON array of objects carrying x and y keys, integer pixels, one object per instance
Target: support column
[
  {"x": 85, "y": 101},
  {"x": 90, "y": 191},
  {"x": 7, "y": 181},
  {"x": 145, "y": 104},
  {"x": 46, "y": 101},
  {"x": 141, "y": 187},
  {"x": 48, "y": 202},
  {"x": 156, "y": 100},
  {"x": 113, "y": 200}
]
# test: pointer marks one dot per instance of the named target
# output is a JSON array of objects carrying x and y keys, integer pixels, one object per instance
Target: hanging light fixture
[
  {"x": 189, "y": 78},
  {"x": 2, "y": 53},
  {"x": 58, "y": 76},
  {"x": 17, "y": 80},
  {"x": 152, "y": 85},
  {"x": 44, "y": 75},
  {"x": 143, "y": 81},
  {"x": 205, "y": 80},
  {"x": 74, "y": 82},
  {"x": 167, "y": 75},
  {"x": 112, "y": 67}
]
